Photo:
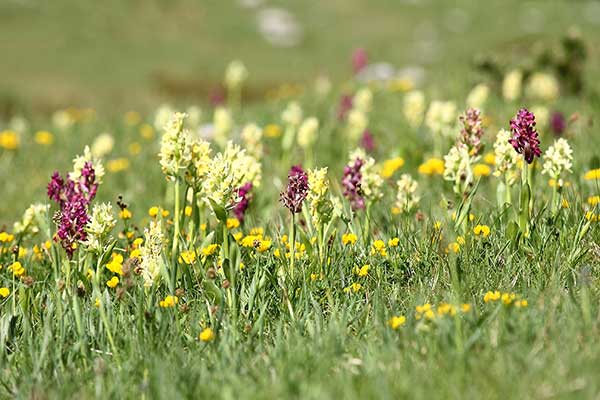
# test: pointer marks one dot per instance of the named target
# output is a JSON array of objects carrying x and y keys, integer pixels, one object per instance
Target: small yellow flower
[
  {"x": 125, "y": 214},
  {"x": 117, "y": 165},
  {"x": 232, "y": 223},
  {"x": 188, "y": 211},
  {"x": 210, "y": 249},
  {"x": 491, "y": 296},
  {"x": 272, "y": 131},
  {"x": 437, "y": 225},
  {"x": 433, "y": 166},
  {"x": 423, "y": 308},
  {"x": 44, "y": 138},
  {"x": 134, "y": 148},
  {"x": 460, "y": 240},
  {"x": 378, "y": 247},
  {"x": 391, "y": 166},
  {"x": 466, "y": 307},
  {"x": 481, "y": 170},
  {"x": 207, "y": 335},
  {"x": 263, "y": 245},
  {"x": 362, "y": 271},
  {"x": 132, "y": 118},
  {"x": 393, "y": 242},
  {"x": 521, "y": 303},
  {"x": 9, "y": 140},
  {"x": 116, "y": 264},
  {"x": 593, "y": 174},
  {"x": 165, "y": 213},
  {"x": 147, "y": 131},
  {"x": 188, "y": 256},
  {"x": 354, "y": 288},
  {"x": 454, "y": 247},
  {"x": 169, "y": 302},
  {"x": 507, "y": 298},
  {"x": 593, "y": 200},
  {"x": 489, "y": 158},
  {"x": 483, "y": 230},
  {"x": 203, "y": 227},
  {"x": 153, "y": 211},
  {"x": 6, "y": 237},
  {"x": 564, "y": 203},
  {"x": 314, "y": 277},
  {"x": 4, "y": 292},
  {"x": 112, "y": 282},
  {"x": 349, "y": 238},
  {"x": 17, "y": 269},
  {"x": 397, "y": 321},
  {"x": 97, "y": 303}
]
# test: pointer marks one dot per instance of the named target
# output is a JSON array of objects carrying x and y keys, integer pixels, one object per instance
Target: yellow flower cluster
[
  {"x": 432, "y": 166},
  {"x": 482, "y": 230},
  {"x": 115, "y": 265},
  {"x": 9, "y": 140},
  {"x": 353, "y": 288},
  {"x": 169, "y": 302},
  {"x": 349, "y": 239},
  {"x": 378, "y": 247},
  {"x": 396, "y": 322},
  {"x": 506, "y": 298},
  {"x": 390, "y": 166}
]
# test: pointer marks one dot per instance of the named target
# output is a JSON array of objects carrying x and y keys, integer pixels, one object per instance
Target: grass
[{"x": 278, "y": 333}]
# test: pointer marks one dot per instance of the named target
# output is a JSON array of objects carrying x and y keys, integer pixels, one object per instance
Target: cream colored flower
[
  {"x": 505, "y": 157},
  {"x": 457, "y": 167},
  {"x": 252, "y": 136},
  {"x": 357, "y": 123},
  {"x": 478, "y": 96},
  {"x": 99, "y": 227},
  {"x": 235, "y": 74},
  {"x": 319, "y": 205},
  {"x": 543, "y": 86},
  {"x": 80, "y": 161},
  {"x": 441, "y": 117},
  {"x": 151, "y": 253},
  {"x": 103, "y": 145},
  {"x": 175, "y": 147},
  {"x": 223, "y": 123},
  {"x": 32, "y": 219},
  {"x": 363, "y": 100},
  {"x": 406, "y": 197},
  {"x": 511, "y": 85},
  {"x": 557, "y": 160},
  {"x": 414, "y": 108},
  {"x": 307, "y": 133},
  {"x": 371, "y": 181}
]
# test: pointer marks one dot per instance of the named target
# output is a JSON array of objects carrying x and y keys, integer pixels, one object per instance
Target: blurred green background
[{"x": 134, "y": 54}]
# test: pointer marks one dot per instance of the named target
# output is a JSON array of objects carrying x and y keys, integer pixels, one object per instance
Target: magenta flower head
[
  {"x": 244, "y": 201},
  {"x": 360, "y": 59},
  {"x": 73, "y": 198},
  {"x": 344, "y": 107},
  {"x": 558, "y": 123},
  {"x": 367, "y": 141},
  {"x": 472, "y": 130},
  {"x": 296, "y": 190},
  {"x": 525, "y": 138},
  {"x": 351, "y": 184}
]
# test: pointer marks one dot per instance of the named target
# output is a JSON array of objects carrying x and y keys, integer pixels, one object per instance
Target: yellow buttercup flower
[
  {"x": 433, "y": 166},
  {"x": 44, "y": 138},
  {"x": 593, "y": 174},
  {"x": 17, "y": 269},
  {"x": 188, "y": 256},
  {"x": 210, "y": 249},
  {"x": 116, "y": 264},
  {"x": 354, "y": 288},
  {"x": 378, "y": 247},
  {"x": 112, "y": 282},
  {"x": 207, "y": 335},
  {"x": 188, "y": 211},
  {"x": 117, "y": 165},
  {"x": 153, "y": 211},
  {"x": 489, "y": 158},
  {"x": 593, "y": 200},
  {"x": 483, "y": 230},
  {"x": 390, "y": 166},
  {"x": 169, "y": 302},
  {"x": 393, "y": 242},
  {"x": 481, "y": 170},
  {"x": 125, "y": 214},
  {"x": 349, "y": 238},
  {"x": 4, "y": 292},
  {"x": 362, "y": 271},
  {"x": 397, "y": 321},
  {"x": 9, "y": 140},
  {"x": 232, "y": 223}
]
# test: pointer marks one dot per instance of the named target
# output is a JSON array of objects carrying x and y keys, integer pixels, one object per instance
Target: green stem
[
  {"x": 292, "y": 243},
  {"x": 176, "y": 221}
]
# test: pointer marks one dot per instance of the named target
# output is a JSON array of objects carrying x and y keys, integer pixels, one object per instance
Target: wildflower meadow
[{"x": 374, "y": 232}]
